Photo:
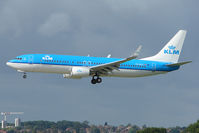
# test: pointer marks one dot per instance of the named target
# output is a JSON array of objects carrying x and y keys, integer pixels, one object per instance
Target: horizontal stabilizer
[{"x": 179, "y": 63}]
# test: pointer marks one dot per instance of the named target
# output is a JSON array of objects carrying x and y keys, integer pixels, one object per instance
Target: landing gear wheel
[
  {"x": 99, "y": 80},
  {"x": 93, "y": 81},
  {"x": 24, "y": 76},
  {"x": 96, "y": 79}
]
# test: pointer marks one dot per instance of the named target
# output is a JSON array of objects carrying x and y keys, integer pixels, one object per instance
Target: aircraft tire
[
  {"x": 24, "y": 76},
  {"x": 93, "y": 81},
  {"x": 99, "y": 80}
]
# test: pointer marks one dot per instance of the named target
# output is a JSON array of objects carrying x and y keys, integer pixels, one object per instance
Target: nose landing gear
[
  {"x": 96, "y": 79},
  {"x": 24, "y": 76}
]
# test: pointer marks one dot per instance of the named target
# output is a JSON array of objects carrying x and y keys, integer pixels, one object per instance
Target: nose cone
[{"x": 10, "y": 64}]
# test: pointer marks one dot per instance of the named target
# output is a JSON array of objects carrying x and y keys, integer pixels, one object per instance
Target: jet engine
[{"x": 78, "y": 72}]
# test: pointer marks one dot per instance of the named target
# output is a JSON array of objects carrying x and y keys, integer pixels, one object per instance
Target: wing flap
[{"x": 109, "y": 67}]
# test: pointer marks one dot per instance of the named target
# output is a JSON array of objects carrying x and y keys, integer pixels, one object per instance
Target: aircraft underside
[{"x": 66, "y": 70}]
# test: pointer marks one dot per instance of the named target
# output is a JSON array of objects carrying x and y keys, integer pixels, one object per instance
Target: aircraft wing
[{"x": 109, "y": 67}]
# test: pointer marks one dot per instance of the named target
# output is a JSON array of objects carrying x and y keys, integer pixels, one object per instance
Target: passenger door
[
  {"x": 153, "y": 67},
  {"x": 30, "y": 59}
]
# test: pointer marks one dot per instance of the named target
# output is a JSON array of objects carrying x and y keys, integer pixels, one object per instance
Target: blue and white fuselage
[
  {"x": 84, "y": 66},
  {"x": 63, "y": 64}
]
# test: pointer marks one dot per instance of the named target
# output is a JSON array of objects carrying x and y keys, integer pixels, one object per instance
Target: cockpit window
[{"x": 17, "y": 58}]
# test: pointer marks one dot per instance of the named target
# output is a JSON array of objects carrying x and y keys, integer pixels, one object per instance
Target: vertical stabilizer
[{"x": 171, "y": 51}]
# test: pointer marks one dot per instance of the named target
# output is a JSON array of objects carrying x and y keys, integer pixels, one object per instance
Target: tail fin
[{"x": 172, "y": 50}]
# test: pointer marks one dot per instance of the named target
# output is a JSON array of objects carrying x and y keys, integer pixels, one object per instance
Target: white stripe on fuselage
[{"x": 63, "y": 69}]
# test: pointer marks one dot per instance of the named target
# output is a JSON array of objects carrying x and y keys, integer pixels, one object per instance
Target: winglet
[{"x": 137, "y": 51}]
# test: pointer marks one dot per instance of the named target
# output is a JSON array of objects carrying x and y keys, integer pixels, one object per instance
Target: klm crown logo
[
  {"x": 47, "y": 57},
  {"x": 171, "y": 47},
  {"x": 171, "y": 50},
  {"x": 79, "y": 70}
]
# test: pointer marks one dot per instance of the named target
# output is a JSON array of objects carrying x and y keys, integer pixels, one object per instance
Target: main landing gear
[
  {"x": 24, "y": 76},
  {"x": 96, "y": 79}
]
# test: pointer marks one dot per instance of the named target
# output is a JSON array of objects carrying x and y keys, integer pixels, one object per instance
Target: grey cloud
[
  {"x": 56, "y": 23},
  {"x": 128, "y": 5},
  {"x": 9, "y": 22}
]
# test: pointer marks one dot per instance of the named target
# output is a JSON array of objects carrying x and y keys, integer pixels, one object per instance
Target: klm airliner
[{"x": 77, "y": 67}]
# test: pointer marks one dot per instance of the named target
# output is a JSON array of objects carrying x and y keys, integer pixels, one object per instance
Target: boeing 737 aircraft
[{"x": 76, "y": 67}]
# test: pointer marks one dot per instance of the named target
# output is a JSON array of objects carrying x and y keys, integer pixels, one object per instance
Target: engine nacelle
[{"x": 78, "y": 72}]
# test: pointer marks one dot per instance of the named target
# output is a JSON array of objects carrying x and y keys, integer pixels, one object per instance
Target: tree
[
  {"x": 94, "y": 129},
  {"x": 193, "y": 128},
  {"x": 153, "y": 130}
]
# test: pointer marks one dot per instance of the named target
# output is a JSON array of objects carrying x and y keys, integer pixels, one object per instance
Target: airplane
[{"x": 76, "y": 67}]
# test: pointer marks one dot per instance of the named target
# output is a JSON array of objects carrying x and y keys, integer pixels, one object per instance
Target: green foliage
[
  {"x": 80, "y": 127},
  {"x": 153, "y": 130},
  {"x": 94, "y": 129},
  {"x": 193, "y": 128},
  {"x": 63, "y": 125},
  {"x": 60, "y": 125},
  {"x": 176, "y": 129},
  {"x": 132, "y": 130},
  {"x": 38, "y": 125}
]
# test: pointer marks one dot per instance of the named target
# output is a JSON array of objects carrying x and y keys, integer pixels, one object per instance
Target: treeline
[
  {"x": 61, "y": 125},
  {"x": 85, "y": 127}
]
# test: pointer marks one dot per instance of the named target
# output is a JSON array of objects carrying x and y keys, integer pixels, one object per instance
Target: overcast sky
[{"x": 99, "y": 28}]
